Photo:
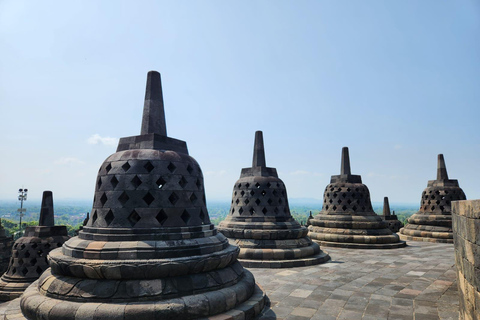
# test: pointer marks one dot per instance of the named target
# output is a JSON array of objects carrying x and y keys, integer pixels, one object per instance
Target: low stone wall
[{"x": 466, "y": 235}]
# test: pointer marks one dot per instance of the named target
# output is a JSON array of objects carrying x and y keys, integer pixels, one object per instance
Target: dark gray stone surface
[
  {"x": 6, "y": 244},
  {"x": 433, "y": 222},
  {"x": 260, "y": 223},
  {"x": 148, "y": 248},
  {"x": 391, "y": 219},
  {"x": 347, "y": 218}
]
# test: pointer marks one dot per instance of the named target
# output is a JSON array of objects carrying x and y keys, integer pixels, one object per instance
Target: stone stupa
[
  {"x": 391, "y": 219},
  {"x": 347, "y": 218},
  {"x": 260, "y": 223},
  {"x": 6, "y": 243},
  {"x": 29, "y": 253},
  {"x": 433, "y": 222},
  {"x": 148, "y": 250}
]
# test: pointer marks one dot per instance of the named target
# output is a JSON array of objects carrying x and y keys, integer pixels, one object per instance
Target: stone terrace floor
[{"x": 415, "y": 282}]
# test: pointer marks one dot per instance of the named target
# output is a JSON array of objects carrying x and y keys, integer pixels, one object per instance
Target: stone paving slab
[{"x": 417, "y": 282}]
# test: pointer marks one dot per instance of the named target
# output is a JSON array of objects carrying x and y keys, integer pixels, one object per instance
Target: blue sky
[{"x": 395, "y": 81}]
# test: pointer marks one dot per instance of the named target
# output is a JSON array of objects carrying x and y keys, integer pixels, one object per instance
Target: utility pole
[{"x": 22, "y": 197}]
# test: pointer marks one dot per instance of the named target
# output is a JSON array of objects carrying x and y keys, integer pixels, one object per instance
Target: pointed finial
[
  {"x": 441, "y": 168},
  {"x": 46, "y": 212},
  {"x": 258, "y": 151},
  {"x": 153, "y": 120},
  {"x": 386, "y": 207},
  {"x": 345, "y": 166}
]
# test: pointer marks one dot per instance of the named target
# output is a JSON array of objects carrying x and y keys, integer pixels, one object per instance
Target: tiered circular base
[
  {"x": 273, "y": 244},
  {"x": 428, "y": 228},
  {"x": 353, "y": 231}
]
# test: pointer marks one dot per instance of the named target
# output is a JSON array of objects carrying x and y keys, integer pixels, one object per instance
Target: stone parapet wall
[{"x": 466, "y": 235}]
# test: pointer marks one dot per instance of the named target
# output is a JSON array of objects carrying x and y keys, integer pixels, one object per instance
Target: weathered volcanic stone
[
  {"x": 391, "y": 219},
  {"x": 347, "y": 218},
  {"x": 29, "y": 254},
  {"x": 6, "y": 244},
  {"x": 466, "y": 235},
  {"x": 260, "y": 223},
  {"x": 148, "y": 250},
  {"x": 433, "y": 222}
]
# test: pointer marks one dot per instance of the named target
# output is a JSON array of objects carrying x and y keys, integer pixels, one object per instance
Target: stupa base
[
  {"x": 12, "y": 290},
  {"x": 320, "y": 258},
  {"x": 424, "y": 238},
  {"x": 353, "y": 245},
  {"x": 35, "y": 304}
]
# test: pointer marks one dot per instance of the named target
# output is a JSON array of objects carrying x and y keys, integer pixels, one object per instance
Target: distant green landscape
[{"x": 72, "y": 213}]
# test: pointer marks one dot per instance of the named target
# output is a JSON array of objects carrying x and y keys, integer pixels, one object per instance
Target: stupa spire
[
  {"x": 153, "y": 120},
  {"x": 345, "y": 166},
  {"x": 386, "y": 207},
  {"x": 441, "y": 168},
  {"x": 259, "y": 151},
  {"x": 46, "y": 211}
]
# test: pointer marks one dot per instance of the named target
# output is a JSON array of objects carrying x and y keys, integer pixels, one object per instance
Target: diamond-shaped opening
[
  {"x": 103, "y": 199},
  {"x": 193, "y": 197},
  {"x": 252, "y": 193},
  {"x": 114, "y": 182},
  {"x": 136, "y": 182},
  {"x": 160, "y": 182},
  {"x": 237, "y": 201},
  {"x": 233, "y": 210},
  {"x": 263, "y": 192},
  {"x": 33, "y": 261},
  {"x": 148, "y": 198},
  {"x": 202, "y": 216},
  {"x": 344, "y": 208},
  {"x": 269, "y": 201},
  {"x": 99, "y": 182},
  {"x": 247, "y": 185},
  {"x": 149, "y": 166},
  {"x": 326, "y": 207},
  {"x": 183, "y": 182},
  {"x": 240, "y": 210},
  {"x": 22, "y": 246},
  {"x": 349, "y": 201},
  {"x": 126, "y": 166},
  {"x": 173, "y": 198},
  {"x": 20, "y": 261},
  {"x": 247, "y": 201},
  {"x": 40, "y": 252},
  {"x": 280, "y": 200},
  {"x": 94, "y": 216},
  {"x": 198, "y": 183},
  {"x": 339, "y": 201},
  {"x": 185, "y": 216},
  {"x": 239, "y": 185},
  {"x": 257, "y": 201},
  {"x": 47, "y": 245},
  {"x": 275, "y": 210},
  {"x": 242, "y": 193},
  {"x": 171, "y": 167},
  {"x": 442, "y": 208},
  {"x": 363, "y": 208},
  {"x": 189, "y": 169},
  {"x": 257, "y": 185},
  {"x": 34, "y": 245},
  {"x": 433, "y": 207},
  {"x": 269, "y": 185},
  {"x": 109, "y": 217},
  {"x": 274, "y": 193},
  {"x": 161, "y": 217},
  {"x": 123, "y": 198},
  {"x": 108, "y": 167},
  {"x": 252, "y": 211},
  {"x": 27, "y": 254},
  {"x": 264, "y": 210},
  {"x": 133, "y": 218},
  {"x": 334, "y": 208},
  {"x": 24, "y": 271},
  {"x": 39, "y": 270}
]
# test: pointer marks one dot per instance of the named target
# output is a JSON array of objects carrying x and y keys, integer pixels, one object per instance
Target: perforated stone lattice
[
  {"x": 29, "y": 260},
  {"x": 343, "y": 198},
  {"x": 259, "y": 199},
  {"x": 149, "y": 193},
  {"x": 439, "y": 200}
]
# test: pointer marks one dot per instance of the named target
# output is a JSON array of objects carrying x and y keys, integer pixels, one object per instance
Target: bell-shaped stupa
[
  {"x": 29, "y": 253},
  {"x": 433, "y": 222},
  {"x": 260, "y": 223},
  {"x": 347, "y": 218},
  {"x": 148, "y": 250},
  {"x": 391, "y": 219},
  {"x": 6, "y": 243}
]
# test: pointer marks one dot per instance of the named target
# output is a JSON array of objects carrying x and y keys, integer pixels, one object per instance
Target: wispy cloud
[
  {"x": 97, "y": 139},
  {"x": 68, "y": 161}
]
